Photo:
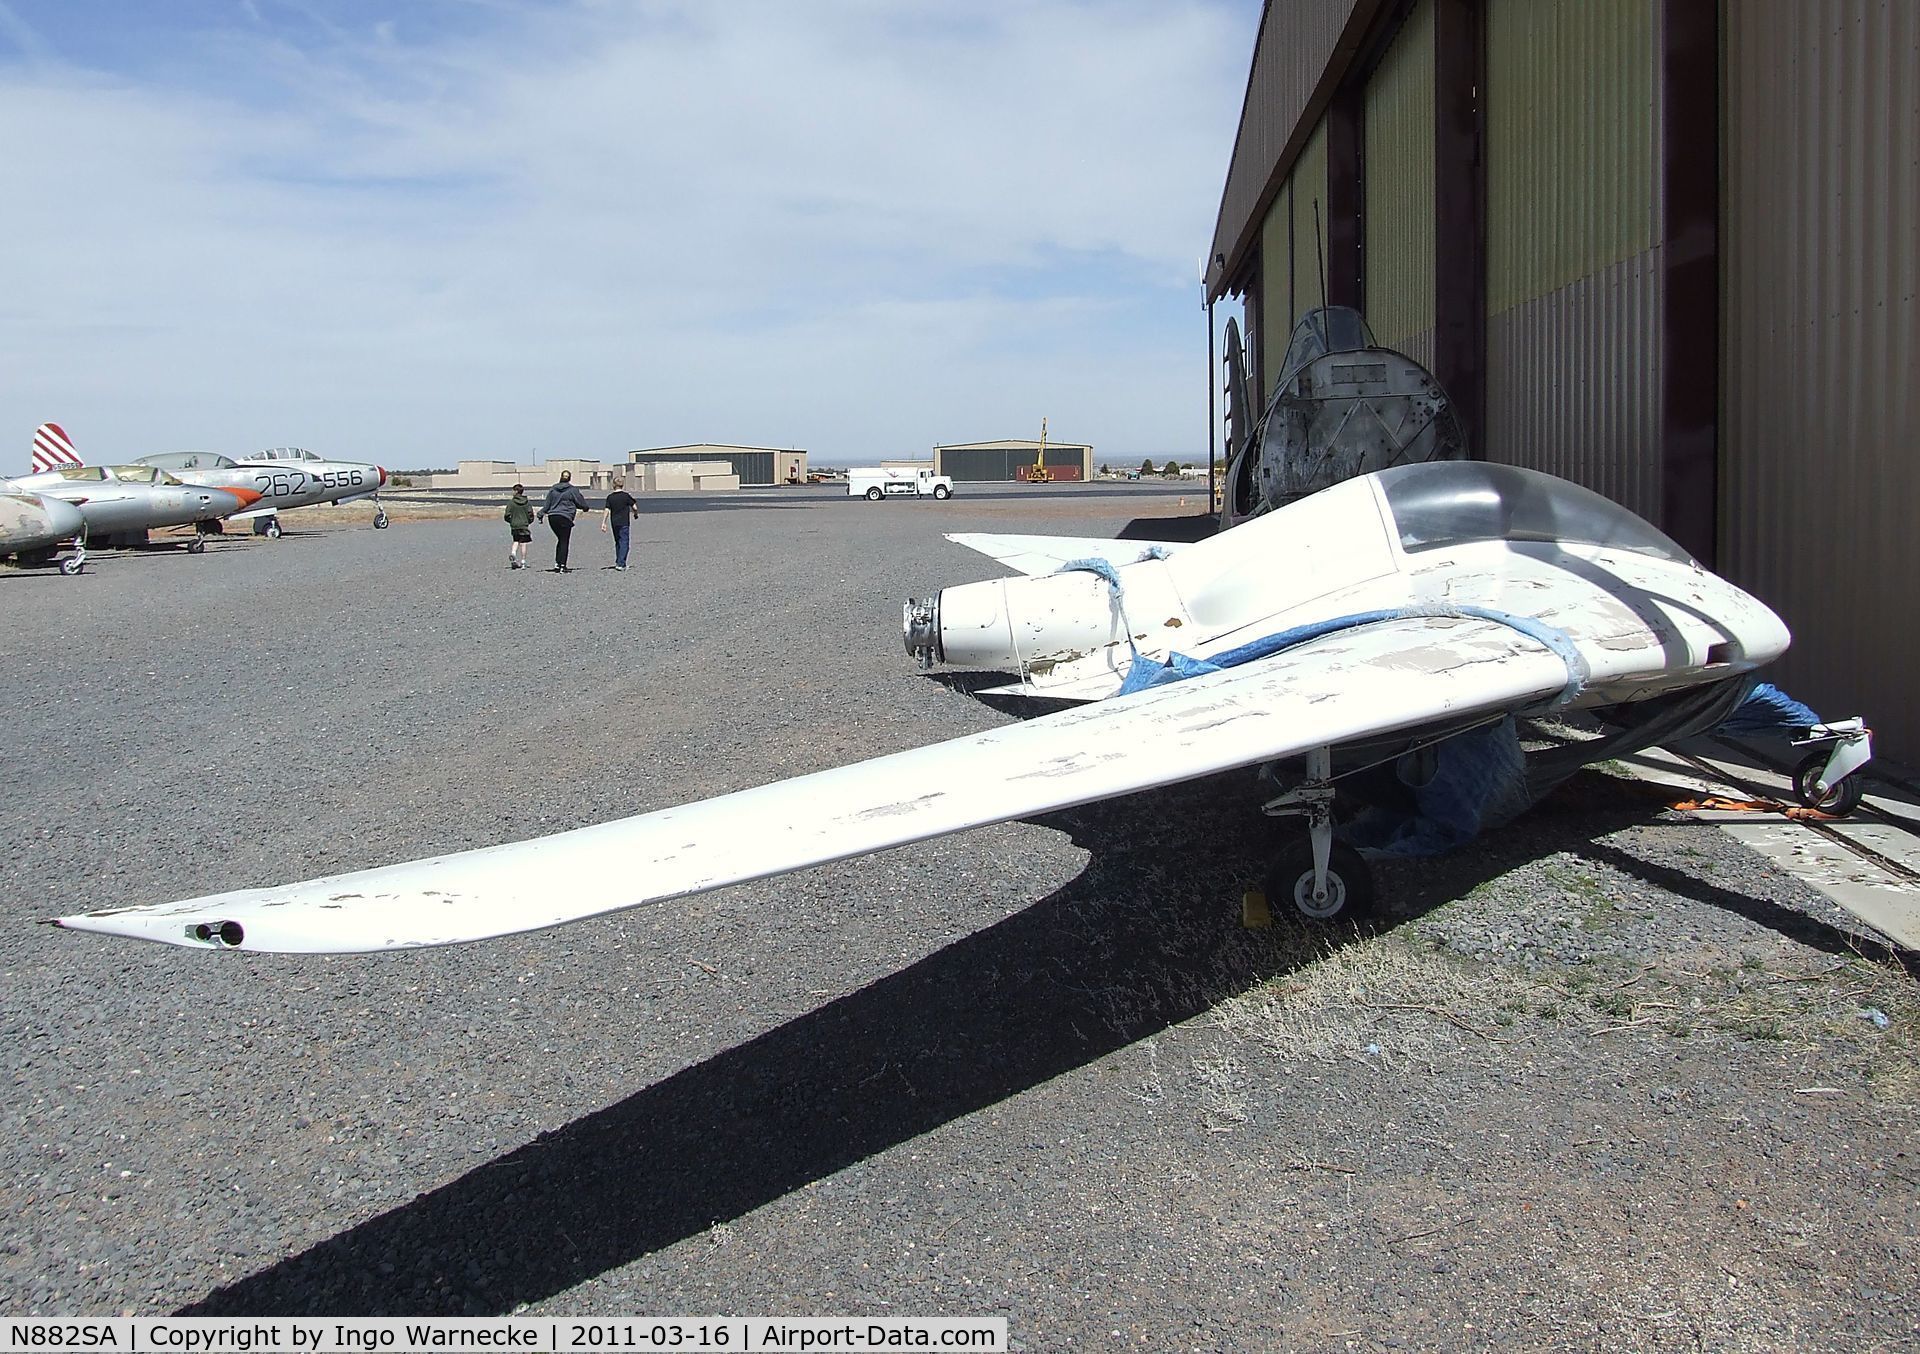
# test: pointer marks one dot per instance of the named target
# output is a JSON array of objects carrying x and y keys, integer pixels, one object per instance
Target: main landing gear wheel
[
  {"x": 197, "y": 546},
  {"x": 874, "y": 494},
  {"x": 273, "y": 530},
  {"x": 1841, "y": 798},
  {"x": 1349, "y": 890}
]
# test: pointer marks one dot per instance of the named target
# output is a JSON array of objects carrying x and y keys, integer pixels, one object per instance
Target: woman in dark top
[{"x": 563, "y": 501}]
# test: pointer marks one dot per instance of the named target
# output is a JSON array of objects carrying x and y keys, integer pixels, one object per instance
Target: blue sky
[{"x": 417, "y": 230}]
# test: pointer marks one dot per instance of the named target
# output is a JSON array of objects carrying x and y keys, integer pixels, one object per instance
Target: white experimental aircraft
[{"x": 1380, "y": 617}]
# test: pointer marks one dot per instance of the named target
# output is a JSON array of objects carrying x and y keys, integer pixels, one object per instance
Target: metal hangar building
[
  {"x": 754, "y": 465},
  {"x": 1011, "y": 459},
  {"x": 1665, "y": 248}
]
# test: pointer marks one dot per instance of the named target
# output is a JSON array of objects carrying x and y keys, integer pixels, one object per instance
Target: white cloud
[{"x": 856, "y": 227}]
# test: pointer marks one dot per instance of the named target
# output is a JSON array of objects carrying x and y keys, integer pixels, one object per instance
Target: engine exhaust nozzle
[{"x": 920, "y": 630}]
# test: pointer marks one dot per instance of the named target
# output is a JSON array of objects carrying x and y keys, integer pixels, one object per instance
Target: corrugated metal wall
[
  {"x": 1290, "y": 260},
  {"x": 1005, "y": 464},
  {"x": 1820, "y": 427},
  {"x": 1274, "y": 303},
  {"x": 1297, "y": 40},
  {"x": 1397, "y": 216},
  {"x": 1307, "y": 185},
  {"x": 1573, "y": 256}
]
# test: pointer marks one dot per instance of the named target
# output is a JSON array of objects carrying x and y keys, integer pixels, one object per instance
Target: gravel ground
[{"x": 1609, "y": 1080}]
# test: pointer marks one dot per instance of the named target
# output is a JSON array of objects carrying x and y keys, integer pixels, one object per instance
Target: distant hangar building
[
  {"x": 1661, "y": 247},
  {"x": 1010, "y": 459},
  {"x": 754, "y": 465}
]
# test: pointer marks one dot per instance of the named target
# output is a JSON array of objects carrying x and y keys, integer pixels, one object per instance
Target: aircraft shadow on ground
[{"x": 1146, "y": 936}]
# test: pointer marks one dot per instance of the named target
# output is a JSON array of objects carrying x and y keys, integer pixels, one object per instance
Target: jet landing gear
[
  {"x": 1322, "y": 878},
  {"x": 1824, "y": 780},
  {"x": 77, "y": 561},
  {"x": 380, "y": 519}
]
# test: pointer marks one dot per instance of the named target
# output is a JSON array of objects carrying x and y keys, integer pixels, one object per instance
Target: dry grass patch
[{"x": 1376, "y": 998}]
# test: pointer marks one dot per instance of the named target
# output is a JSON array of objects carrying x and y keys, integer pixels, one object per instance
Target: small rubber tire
[
  {"x": 942, "y": 492},
  {"x": 1839, "y": 800},
  {"x": 70, "y": 567},
  {"x": 873, "y": 495},
  {"x": 273, "y": 531},
  {"x": 1349, "y": 882},
  {"x": 197, "y": 546},
  {"x": 381, "y": 521}
]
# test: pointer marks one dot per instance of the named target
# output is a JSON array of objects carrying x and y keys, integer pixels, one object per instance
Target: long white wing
[
  {"x": 1046, "y": 554},
  {"x": 1359, "y": 683}
]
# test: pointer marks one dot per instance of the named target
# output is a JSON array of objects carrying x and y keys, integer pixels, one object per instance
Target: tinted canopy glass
[
  {"x": 1442, "y": 503},
  {"x": 189, "y": 460}
]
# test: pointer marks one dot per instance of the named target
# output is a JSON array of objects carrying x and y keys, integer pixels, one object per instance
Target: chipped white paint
[
  {"x": 1646, "y": 623},
  {"x": 1642, "y": 620},
  {"x": 1228, "y": 719},
  {"x": 1048, "y": 554}
]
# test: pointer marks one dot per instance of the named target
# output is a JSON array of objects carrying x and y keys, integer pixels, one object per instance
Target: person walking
[
  {"x": 519, "y": 517},
  {"x": 563, "y": 501},
  {"x": 620, "y": 506}
]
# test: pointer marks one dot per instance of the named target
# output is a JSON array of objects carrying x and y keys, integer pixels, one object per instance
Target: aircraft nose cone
[
  {"x": 383, "y": 475},
  {"x": 64, "y": 517}
]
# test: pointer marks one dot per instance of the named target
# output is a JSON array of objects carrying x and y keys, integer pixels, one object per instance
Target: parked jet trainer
[
  {"x": 1378, "y": 626},
  {"x": 121, "y": 501},
  {"x": 281, "y": 477},
  {"x": 286, "y": 477}
]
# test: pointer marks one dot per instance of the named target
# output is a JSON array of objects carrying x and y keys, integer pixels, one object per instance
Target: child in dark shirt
[{"x": 620, "y": 506}]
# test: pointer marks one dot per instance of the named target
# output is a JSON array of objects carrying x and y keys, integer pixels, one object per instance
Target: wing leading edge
[{"x": 1376, "y": 680}]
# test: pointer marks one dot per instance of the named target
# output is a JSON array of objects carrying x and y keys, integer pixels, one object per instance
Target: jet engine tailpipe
[{"x": 920, "y": 630}]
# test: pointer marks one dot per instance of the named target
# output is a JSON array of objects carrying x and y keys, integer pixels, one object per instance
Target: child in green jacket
[{"x": 519, "y": 517}]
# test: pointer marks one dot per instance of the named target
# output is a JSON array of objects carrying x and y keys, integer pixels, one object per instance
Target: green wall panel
[
  {"x": 1398, "y": 238},
  {"x": 1570, "y": 142}
]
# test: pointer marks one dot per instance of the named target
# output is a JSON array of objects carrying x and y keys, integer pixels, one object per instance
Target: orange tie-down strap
[{"x": 1785, "y": 810}]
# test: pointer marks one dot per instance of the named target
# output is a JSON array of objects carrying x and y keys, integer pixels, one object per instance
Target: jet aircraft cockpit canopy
[
  {"x": 83, "y": 472},
  {"x": 142, "y": 474},
  {"x": 190, "y": 460},
  {"x": 1441, "y": 503},
  {"x": 285, "y": 454}
]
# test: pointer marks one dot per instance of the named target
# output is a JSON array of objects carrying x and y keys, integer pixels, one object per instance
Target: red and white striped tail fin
[{"x": 52, "y": 448}]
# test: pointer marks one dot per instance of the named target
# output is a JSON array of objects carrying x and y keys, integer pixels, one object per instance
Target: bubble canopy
[{"x": 1440, "y": 503}]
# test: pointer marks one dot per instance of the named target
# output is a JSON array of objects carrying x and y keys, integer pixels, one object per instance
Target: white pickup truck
[{"x": 877, "y": 482}]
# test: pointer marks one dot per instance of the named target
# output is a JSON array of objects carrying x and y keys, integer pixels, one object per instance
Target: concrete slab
[{"x": 1882, "y": 895}]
